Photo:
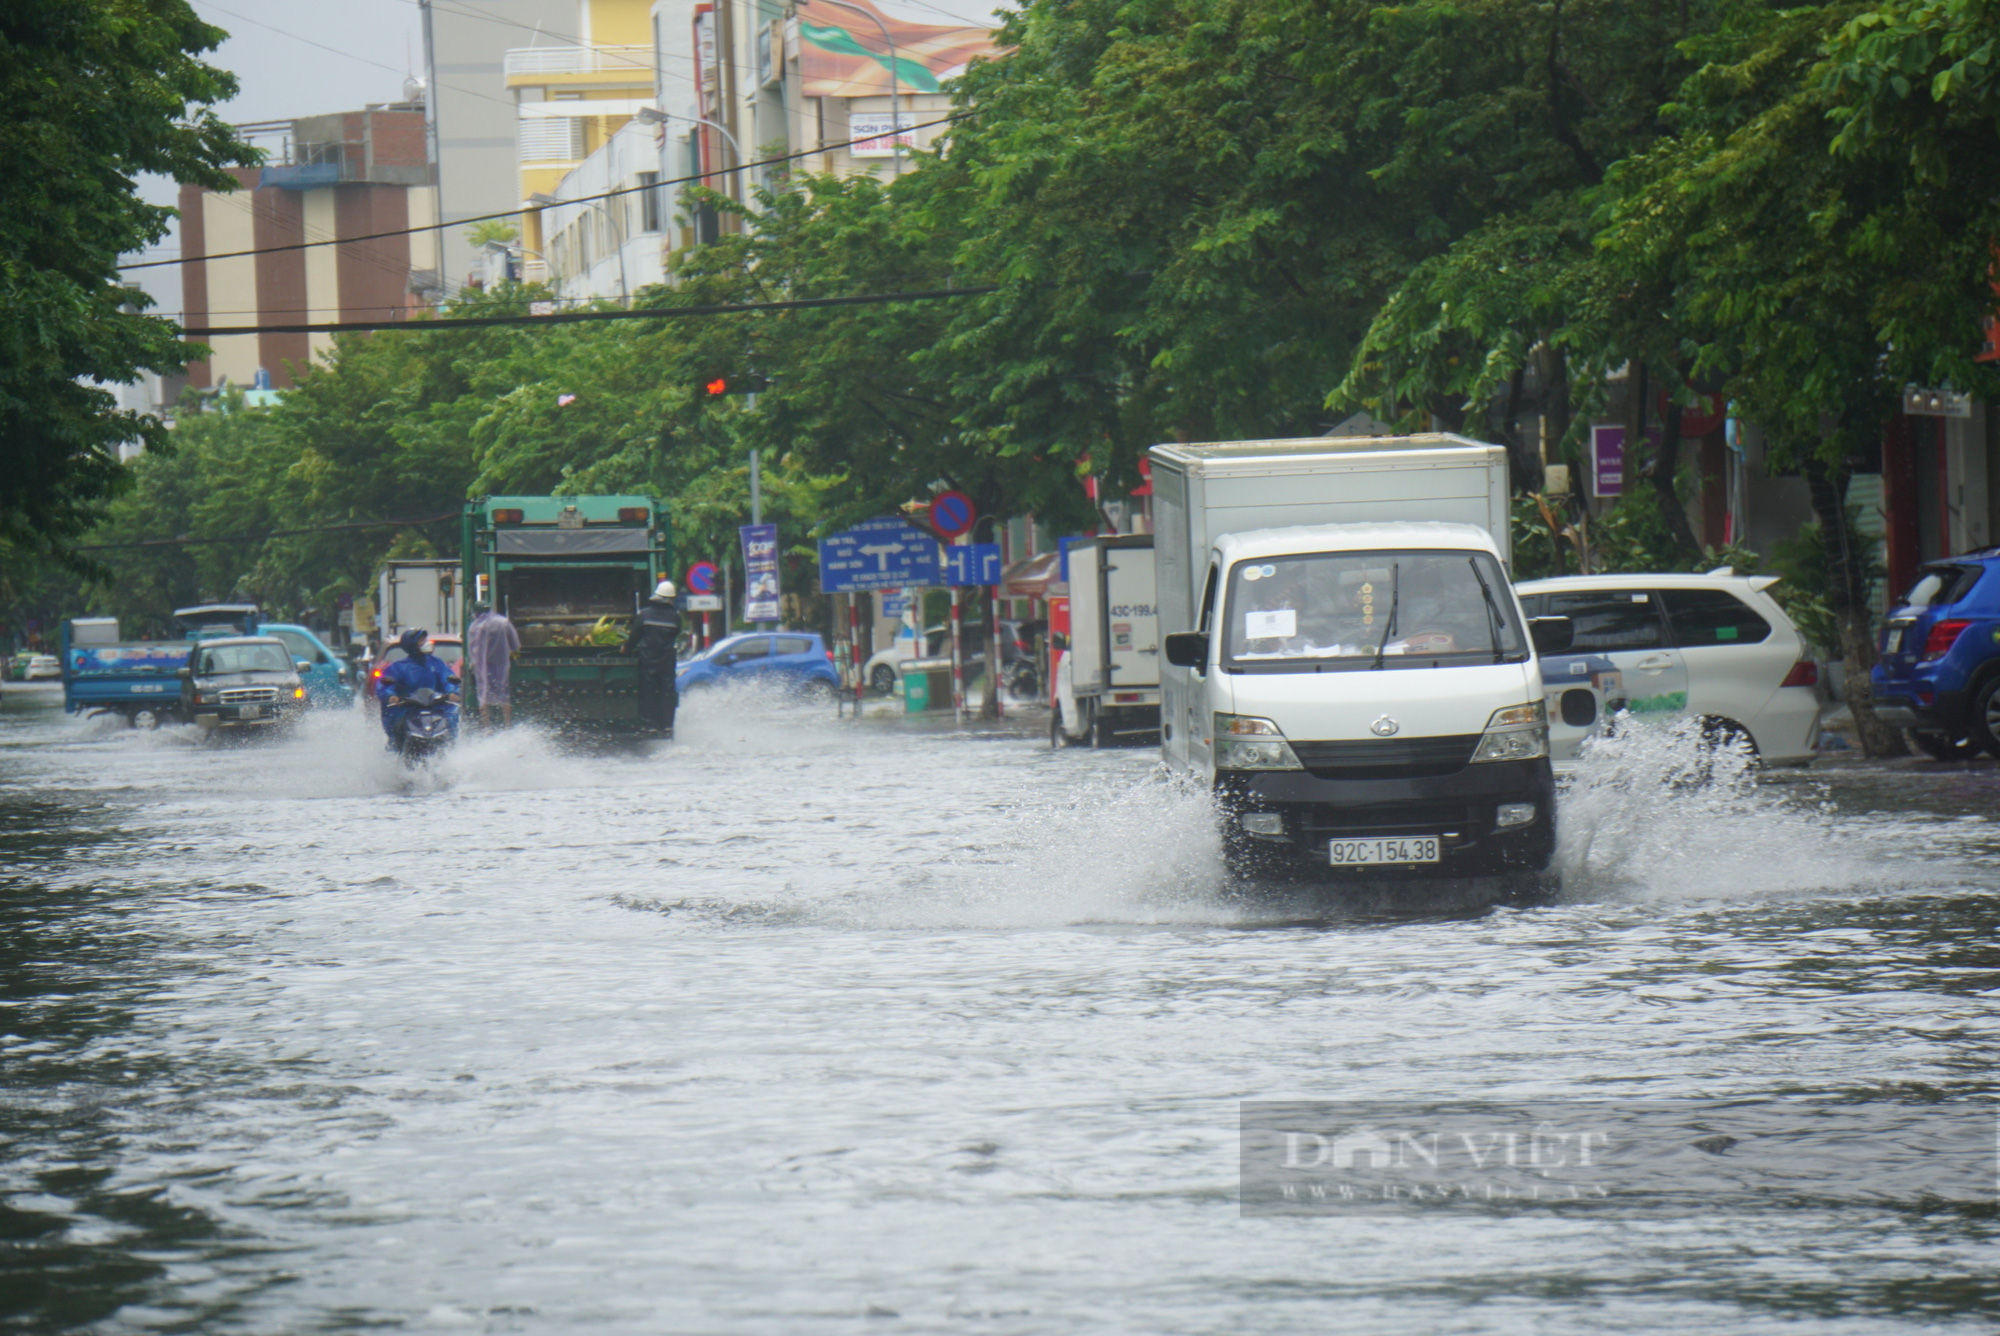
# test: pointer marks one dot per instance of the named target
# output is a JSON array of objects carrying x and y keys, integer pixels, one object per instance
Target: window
[
  {"x": 244, "y": 659},
  {"x": 649, "y": 202},
  {"x": 1610, "y": 619},
  {"x": 751, "y": 647},
  {"x": 1344, "y": 609},
  {"x": 794, "y": 645},
  {"x": 300, "y": 647},
  {"x": 1712, "y": 617},
  {"x": 1940, "y": 585}
]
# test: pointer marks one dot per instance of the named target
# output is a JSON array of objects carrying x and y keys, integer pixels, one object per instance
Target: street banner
[
  {"x": 882, "y": 553},
  {"x": 760, "y": 572},
  {"x": 847, "y": 54}
]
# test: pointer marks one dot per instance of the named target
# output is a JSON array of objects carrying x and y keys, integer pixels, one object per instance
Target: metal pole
[{"x": 957, "y": 658}]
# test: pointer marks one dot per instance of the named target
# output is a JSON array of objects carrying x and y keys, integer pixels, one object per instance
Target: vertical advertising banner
[
  {"x": 1607, "y": 461},
  {"x": 760, "y": 572}
]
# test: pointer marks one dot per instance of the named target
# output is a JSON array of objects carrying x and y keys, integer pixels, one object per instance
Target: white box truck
[
  {"x": 411, "y": 594},
  {"x": 1108, "y": 685},
  {"x": 1346, "y": 663}
]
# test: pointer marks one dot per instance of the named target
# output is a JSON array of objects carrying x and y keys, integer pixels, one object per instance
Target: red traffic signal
[{"x": 717, "y": 386}]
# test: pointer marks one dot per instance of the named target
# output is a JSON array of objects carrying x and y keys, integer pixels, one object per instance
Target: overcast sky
[{"x": 309, "y": 57}]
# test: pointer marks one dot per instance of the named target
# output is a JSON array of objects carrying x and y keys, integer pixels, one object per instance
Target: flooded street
[{"x": 802, "y": 1026}]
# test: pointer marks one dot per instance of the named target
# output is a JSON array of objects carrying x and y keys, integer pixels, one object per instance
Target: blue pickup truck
[
  {"x": 1938, "y": 674},
  {"x": 140, "y": 679}
]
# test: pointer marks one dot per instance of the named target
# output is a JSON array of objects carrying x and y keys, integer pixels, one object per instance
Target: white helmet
[{"x": 665, "y": 589}]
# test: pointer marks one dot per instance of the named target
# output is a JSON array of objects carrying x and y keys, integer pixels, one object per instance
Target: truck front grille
[
  {"x": 1387, "y": 758},
  {"x": 249, "y": 696}
]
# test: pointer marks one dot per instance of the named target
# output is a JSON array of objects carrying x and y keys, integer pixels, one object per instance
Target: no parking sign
[{"x": 952, "y": 514}]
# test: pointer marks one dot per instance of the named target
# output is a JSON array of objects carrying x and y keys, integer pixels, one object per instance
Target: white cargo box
[{"x": 1201, "y": 492}]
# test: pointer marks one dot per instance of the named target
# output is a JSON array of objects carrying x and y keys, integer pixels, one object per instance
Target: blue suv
[
  {"x": 798, "y": 660},
  {"x": 1938, "y": 673}
]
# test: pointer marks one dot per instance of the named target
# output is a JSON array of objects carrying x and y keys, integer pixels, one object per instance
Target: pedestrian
[
  {"x": 654, "y": 636},
  {"x": 491, "y": 643}
]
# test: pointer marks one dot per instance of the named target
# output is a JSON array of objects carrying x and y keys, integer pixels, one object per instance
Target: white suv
[{"x": 1714, "y": 647}]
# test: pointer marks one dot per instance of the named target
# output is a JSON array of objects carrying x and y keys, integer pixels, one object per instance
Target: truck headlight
[
  {"x": 1517, "y": 733},
  {"x": 1244, "y": 742}
]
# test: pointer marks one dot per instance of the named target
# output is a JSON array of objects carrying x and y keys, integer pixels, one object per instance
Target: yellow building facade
[{"x": 573, "y": 93}]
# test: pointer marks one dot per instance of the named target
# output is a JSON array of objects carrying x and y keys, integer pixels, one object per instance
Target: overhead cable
[
  {"x": 516, "y": 212},
  {"x": 580, "y": 317}
]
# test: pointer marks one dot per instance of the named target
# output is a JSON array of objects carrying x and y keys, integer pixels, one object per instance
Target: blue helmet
[{"x": 413, "y": 641}]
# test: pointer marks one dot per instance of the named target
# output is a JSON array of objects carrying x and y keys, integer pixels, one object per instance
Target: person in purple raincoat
[{"x": 490, "y": 644}]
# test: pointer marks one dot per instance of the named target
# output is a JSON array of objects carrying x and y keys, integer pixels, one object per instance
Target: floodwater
[{"x": 797, "y": 1026}]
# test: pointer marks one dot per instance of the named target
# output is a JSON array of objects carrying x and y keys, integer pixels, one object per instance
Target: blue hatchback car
[
  {"x": 798, "y": 660},
  {"x": 1938, "y": 670}
]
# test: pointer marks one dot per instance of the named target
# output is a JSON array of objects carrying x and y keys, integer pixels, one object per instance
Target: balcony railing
[{"x": 533, "y": 61}]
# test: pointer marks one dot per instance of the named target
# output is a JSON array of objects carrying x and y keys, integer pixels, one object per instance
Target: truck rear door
[{"x": 1132, "y": 618}]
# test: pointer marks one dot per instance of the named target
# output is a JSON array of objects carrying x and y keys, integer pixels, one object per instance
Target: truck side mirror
[
  {"x": 183, "y": 672},
  {"x": 303, "y": 665},
  {"x": 1187, "y": 649},
  {"x": 1552, "y": 635}
]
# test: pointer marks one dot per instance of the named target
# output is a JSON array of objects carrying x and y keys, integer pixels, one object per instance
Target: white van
[{"x": 1361, "y": 691}]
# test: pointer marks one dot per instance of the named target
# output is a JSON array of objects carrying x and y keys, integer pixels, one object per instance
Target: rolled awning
[{"x": 1039, "y": 576}]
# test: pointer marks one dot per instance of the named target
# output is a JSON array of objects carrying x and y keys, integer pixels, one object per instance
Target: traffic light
[{"x": 716, "y": 387}]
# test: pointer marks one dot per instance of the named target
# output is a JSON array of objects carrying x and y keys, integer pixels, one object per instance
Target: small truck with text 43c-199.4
[
  {"x": 1348, "y": 667},
  {"x": 1108, "y": 683},
  {"x": 570, "y": 572}
]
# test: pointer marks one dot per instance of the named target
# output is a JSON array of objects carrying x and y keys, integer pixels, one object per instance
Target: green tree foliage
[{"x": 92, "y": 92}]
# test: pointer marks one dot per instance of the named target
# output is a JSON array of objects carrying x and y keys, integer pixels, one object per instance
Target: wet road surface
[{"x": 798, "y": 1026}]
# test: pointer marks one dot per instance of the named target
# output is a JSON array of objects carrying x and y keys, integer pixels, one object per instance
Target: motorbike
[{"x": 426, "y": 728}]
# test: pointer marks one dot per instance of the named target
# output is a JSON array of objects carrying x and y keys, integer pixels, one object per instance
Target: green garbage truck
[{"x": 570, "y": 572}]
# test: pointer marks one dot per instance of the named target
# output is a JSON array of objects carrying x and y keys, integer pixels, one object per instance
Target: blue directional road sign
[
  {"x": 882, "y": 553},
  {"x": 973, "y": 564}
]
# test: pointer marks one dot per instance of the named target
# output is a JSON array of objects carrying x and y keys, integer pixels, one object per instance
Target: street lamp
[
  {"x": 895, "y": 88},
  {"x": 654, "y": 116},
  {"x": 546, "y": 201}
]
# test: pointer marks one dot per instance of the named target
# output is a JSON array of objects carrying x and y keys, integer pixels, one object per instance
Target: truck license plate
[
  {"x": 251, "y": 712},
  {"x": 1385, "y": 849}
]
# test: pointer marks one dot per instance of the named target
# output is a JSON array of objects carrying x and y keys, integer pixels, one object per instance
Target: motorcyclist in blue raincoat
[{"x": 419, "y": 668}]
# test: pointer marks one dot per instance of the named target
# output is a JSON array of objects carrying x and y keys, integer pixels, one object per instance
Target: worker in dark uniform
[{"x": 655, "y": 632}]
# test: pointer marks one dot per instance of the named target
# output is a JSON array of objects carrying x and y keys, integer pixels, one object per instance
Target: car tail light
[
  {"x": 1939, "y": 642},
  {"x": 1805, "y": 673},
  {"x": 830, "y": 658},
  {"x": 506, "y": 517},
  {"x": 631, "y": 514}
]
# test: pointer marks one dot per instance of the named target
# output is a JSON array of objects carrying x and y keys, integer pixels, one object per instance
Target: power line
[
  {"x": 297, "y": 37},
  {"x": 578, "y": 317},
  {"x": 581, "y": 199},
  {"x": 185, "y": 541}
]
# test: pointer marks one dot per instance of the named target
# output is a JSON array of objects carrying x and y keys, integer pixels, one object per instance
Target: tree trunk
[
  {"x": 989, "y": 704},
  {"x": 1847, "y": 594},
  {"x": 1666, "y": 464}
]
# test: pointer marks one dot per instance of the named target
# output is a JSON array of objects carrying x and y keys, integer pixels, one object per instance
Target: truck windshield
[
  {"x": 1335, "y": 610},
  {"x": 244, "y": 659}
]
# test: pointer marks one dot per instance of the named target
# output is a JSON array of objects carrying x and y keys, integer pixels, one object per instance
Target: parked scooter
[{"x": 426, "y": 729}]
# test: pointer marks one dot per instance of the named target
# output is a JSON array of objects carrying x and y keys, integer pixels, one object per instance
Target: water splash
[{"x": 1657, "y": 811}]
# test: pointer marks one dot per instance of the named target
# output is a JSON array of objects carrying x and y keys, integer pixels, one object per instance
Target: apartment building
[
  {"x": 350, "y": 174},
  {"x": 475, "y": 127}
]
